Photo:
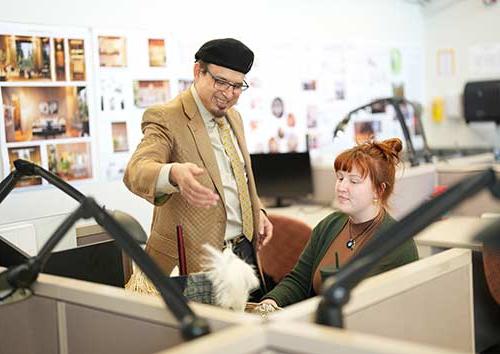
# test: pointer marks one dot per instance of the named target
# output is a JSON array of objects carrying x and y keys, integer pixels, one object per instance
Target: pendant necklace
[{"x": 351, "y": 242}]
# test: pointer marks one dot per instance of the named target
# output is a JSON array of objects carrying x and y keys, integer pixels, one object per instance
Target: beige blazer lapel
[{"x": 202, "y": 140}]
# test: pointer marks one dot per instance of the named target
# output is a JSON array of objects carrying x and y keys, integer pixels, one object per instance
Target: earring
[{"x": 375, "y": 200}]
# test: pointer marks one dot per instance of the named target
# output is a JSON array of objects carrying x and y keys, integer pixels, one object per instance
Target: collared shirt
[{"x": 234, "y": 226}]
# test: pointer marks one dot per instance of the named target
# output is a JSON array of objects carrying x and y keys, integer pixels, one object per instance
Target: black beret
[{"x": 227, "y": 52}]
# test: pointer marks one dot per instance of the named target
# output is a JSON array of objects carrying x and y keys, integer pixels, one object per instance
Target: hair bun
[{"x": 394, "y": 144}]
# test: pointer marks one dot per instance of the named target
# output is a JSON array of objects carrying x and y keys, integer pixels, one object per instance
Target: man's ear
[{"x": 196, "y": 70}]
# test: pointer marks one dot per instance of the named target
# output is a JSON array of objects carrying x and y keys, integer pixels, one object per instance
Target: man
[{"x": 194, "y": 166}]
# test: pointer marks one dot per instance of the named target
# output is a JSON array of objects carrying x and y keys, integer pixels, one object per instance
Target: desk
[
  {"x": 309, "y": 214},
  {"x": 458, "y": 232},
  {"x": 482, "y": 202},
  {"x": 455, "y": 232}
]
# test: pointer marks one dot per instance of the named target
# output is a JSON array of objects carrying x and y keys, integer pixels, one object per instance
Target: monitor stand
[
  {"x": 496, "y": 147},
  {"x": 280, "y": 203}
]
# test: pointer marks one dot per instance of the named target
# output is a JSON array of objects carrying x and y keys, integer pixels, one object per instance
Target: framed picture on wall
[
  {"x": 119, "y": 136},
  {"x": 28, "y": 153},
  {"x": 76, "y": 59},
  {"x": 157, "y": 52},
  {"x": 70, "y": 161},
  {"x": 183, "y": 84},
  {"x": 60, "y": 58},
  {"x": 150, "y": 92},
  {"x": 112, "y": 96},
  {"x": 25, "y": 58},
  {"x": 44, "y": 113},
  {"x": 112, "y": 51}
]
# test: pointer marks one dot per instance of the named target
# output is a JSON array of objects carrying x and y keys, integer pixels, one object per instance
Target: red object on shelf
[
  {"x": 438, "y": 190},
  {"x": 181, "y": 251}
]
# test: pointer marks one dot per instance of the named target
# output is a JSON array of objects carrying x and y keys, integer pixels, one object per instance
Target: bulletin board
[
  {"x": 46, "y": 101},
  {"x": 301, "y": 91},
  {"x": 72, "y": 99}
]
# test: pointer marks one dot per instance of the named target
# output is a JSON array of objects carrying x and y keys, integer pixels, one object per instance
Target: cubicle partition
[
  {"x": 303, "y": 338},
  {"x": 72, "y": 316},
  {"x": 460, "y": 232},
  {"x": 479, "y": 204},
  {"x": 428, "y": 301}
]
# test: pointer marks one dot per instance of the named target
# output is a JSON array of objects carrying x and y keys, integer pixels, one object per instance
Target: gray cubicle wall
[
  {"x": 72, "y": 316},
  {"x": 44, "y": 325}
]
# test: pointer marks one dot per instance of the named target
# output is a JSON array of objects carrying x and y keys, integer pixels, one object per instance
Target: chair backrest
[
  {"x": 280, "y": 255},
  {"x": 491, "y": 263}
]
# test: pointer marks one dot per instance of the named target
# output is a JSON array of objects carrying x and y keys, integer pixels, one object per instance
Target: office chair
[
  {"x": 491, "y": 263},
  {"x": 281, "y": 254}
]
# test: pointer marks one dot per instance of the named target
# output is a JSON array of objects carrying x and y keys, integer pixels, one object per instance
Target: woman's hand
[
  {"x": 265, "y": 307},
  {"x": 270, "y": 302}
]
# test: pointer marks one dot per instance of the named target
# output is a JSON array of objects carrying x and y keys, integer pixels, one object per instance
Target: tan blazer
[{"x": 175, "y": 132}]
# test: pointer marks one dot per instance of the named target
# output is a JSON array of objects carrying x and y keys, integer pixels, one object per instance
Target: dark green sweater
[{"x": 297, "y": 285}]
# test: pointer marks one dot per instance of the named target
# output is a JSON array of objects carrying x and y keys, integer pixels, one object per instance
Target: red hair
[{"x": 378, "y": 160}]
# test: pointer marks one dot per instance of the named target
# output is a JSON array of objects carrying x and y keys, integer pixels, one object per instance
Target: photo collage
[
  {"x": 44, "y": 99},
  {"x": 51, "y": 117},
  {"x": 127, "y": 85}
]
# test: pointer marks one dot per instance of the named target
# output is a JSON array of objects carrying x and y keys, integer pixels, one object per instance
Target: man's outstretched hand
[{"x": 183, "y": 175}]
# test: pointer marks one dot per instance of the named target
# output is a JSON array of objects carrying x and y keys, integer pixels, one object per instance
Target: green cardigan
[{"x": 297, "y": 285}]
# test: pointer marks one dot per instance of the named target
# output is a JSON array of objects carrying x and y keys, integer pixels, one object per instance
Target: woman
[{"x": 365, "y": 181}]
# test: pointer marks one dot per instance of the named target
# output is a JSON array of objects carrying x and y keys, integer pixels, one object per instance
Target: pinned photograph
[
  {"x": 151, "y": 92},
  {"x": 309, "y": 85},
  {"x": 112, "y": 94},
  {"x": 398, "y": 89},
  {"x": 70, "y": 161},
  {"x": 116, "y": 168},
  {"x": 28, "y": 153},
  {"x": 184, "y": 84},
  {"x": 24, "y": 58},
  {"x": 277, "y": 107},
  {"x": 76, "y": 59},
  {"x": 43, "y": 113},
  {"x": 339, "y": 90},
  {"x": 157, "y": 52},
  {"x": 312, "y": 116},
  {"x": 366, "y": 131},
  {"x": 60, "y": 59},
  {"x": 119, "y": 134},
  {"x": 112, "y": 51}
]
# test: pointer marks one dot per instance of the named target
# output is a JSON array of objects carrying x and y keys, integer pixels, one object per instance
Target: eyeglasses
[{"x": 222, "y": 85}]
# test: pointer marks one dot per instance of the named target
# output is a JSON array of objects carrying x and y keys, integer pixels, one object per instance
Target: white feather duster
[{"x": 232, "y": 278}]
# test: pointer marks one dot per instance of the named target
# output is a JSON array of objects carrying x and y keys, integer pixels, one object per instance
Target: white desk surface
[
  {"x": 453, "y": 232},
  {"x": 310, "y": 214}
]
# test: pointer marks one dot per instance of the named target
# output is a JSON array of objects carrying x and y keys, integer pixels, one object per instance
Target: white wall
[
  {"x": 457, "y": 25},
  {"x": 259, "y": 20},
  {"x": 253, "y": 22}
]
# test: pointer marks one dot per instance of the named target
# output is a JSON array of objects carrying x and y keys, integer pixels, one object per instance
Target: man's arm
[
  {"x": 151, "y": 154},
  {"x": 265, "y": 232},
  {"x": 153, "y": 176},
  {"x": 183, "y": 175}
]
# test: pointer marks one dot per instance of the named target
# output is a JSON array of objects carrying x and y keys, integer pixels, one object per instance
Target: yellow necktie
[{"x": 239, "y": 176}]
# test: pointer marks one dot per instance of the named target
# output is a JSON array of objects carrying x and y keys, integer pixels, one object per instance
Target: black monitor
[
  {"x": 283, "y": 175},
  {"x": 482, "y": 101},
  {"x": 99, "y": 262}
]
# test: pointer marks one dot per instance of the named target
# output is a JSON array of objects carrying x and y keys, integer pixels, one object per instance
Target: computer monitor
[
  {"x": 481, "y": 101},
  {"x": 99, "y": 262},
  {"x": 282, "y": 175}
]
